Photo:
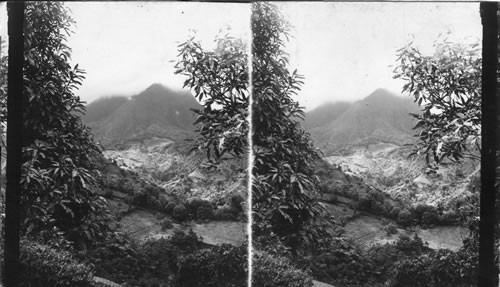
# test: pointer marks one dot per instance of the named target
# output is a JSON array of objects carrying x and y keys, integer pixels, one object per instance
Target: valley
[
  {"x": 204, "y": 157},
  {"x": 159, "y": 190},
  {"x": 379, "y": 194},
  {"x": 368, "y": 230},
  {"x": 376, "y": 194}
]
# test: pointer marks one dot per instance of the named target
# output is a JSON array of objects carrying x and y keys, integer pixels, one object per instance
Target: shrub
[
  {"x": 394, "y": 213},
  {"x": 235, "y": 202},
  {"x": 180, "y": 212},
  {"x": 412, "y": 273},
  {"x": 421, "y": 209},
  {"x": 45, "y": 265},
  {"x": 391, "y": 229},
  {"x": 189, "y": 241},
  {"x": 382, "y": 258},
  {"x": 154, "y": 263},
  {"x": 205, "y": 212},
  {"x": 341, "y": 263},
  {"x": 162, "y": 203},
  {"x": 193, "y": 204},
  {"x": 364, "y": 202},
  {"x": 273, "y": 271},
  {"x": 388, "y": 206},
  {"x": 225, "y": 213},
  {"x": 166, "y": 224},
  {"x": 411, "y": 246},
  {"x": 442, "y": 268},
  {"x": 169, "y": 208},
  {"x": 405, "y": 218},
  {"x": 223, "y": 266},
  {"x": 139, "y": 199},
  {"x": 163, "y": 258},
  {"x": 449, "y": 218},
  {"x": 118, "y": 259},
  {"x": 200, "y": 208},
  {"x": 430, "y": 217},
  {"x": 378, "y": 207}
]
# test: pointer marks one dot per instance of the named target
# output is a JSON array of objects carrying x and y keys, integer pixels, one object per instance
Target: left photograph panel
[{"x": 135, "y": 145}]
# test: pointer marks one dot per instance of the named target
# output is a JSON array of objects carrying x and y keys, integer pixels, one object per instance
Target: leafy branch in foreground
[
  {"x": 283, "y": 178},
  {"x": 219, "y": 80},
  {"x": 447, "y": 85},
  {"x": 58, "y": 175}
]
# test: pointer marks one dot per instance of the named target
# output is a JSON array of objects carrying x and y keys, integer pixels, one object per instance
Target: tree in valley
[
  {"x": 219, "y": 80},
  {"x": 284, "y": 183},
  {"x": 58, "y": 176},
  {"x": 447, "y": 85}
]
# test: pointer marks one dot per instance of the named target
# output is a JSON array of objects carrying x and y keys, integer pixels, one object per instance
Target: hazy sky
[
  {"x": 3, "y": 24},
  {"x": 126, "y": 46},
  {"x": 345, "y": 50}
]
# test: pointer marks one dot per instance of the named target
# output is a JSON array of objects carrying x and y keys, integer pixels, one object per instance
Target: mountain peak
[
  {"x": 156, "y": 88},
  {"x": 381, "y": 117},
  {"x": 325, "y": 113},
  {"x": 158, "y": 111},
  {"x": 158, "y": 92},
  {"x": 381, "y": 93},
  {"x": 380, "y": 97}
]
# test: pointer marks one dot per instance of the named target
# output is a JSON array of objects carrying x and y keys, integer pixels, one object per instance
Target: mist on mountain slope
[
  {"x": 157, "y": 112},
  {"x": 371, "y": 139},
  {"x": 381, "y": 117}
]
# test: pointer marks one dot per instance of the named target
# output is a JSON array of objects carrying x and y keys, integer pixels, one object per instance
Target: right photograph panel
[{"x": 366, "y": 136}]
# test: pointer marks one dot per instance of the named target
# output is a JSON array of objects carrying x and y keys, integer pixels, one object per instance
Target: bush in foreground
[
  {"x": 180, "y": 213},
  {"x": 273, "y": 271},
  {"x": 442, "y": 268},
  {"x": 152, "y": 263},
  {"x": 47, "y": 266},
  {"x": 221, "y": 266}
]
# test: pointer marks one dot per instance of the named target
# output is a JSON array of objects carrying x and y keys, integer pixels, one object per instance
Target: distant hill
[
  {"x": 381, "y": 117},
  {"x": 156, "y": 112},
  {"x": 325, "y": 114},
  {"x": 103, "y": 108}
]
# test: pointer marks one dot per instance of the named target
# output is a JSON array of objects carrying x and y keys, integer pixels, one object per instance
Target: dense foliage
[
  {"x": 60, "y": 207},
  {"x": 406, "y": 262},
  {"x": 47, "y": 265},
  {"x": 57, "y": 169},
  {"x": 283, "y": 179},
  {"x": 224, "y": 266},
  {"x": 152, "y": 263},
  {"x": 274, "y": 271},
  {"x": 447, "y": 85},
  {"x": 139, "y": 193},
  {"x": 180, "y": 260},
  {"x": 219, "y": 80},
  {"x": 439, "y": 268}
]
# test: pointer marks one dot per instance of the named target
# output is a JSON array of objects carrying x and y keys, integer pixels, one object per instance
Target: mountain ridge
[
  {"x": 381, "y": 117},
  {"x": 157, "y": 111}
]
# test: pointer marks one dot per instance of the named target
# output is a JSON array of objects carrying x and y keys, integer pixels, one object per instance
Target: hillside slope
[
  {"x": 102, "y": 108},
  {"x": 325, "y": 114},
  {"x": 156, "y": 112},
  {"x": 382, "y": 117}
]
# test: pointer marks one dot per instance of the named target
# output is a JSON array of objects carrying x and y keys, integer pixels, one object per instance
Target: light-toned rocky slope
[
  {"x": 148, "y": 155},
  {"x": 387, "y": 167}
]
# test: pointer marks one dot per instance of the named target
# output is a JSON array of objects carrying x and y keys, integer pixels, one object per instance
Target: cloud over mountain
[
  {"x": 156, "y": 112},
  {"x": 381, "y": 117}
]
